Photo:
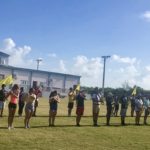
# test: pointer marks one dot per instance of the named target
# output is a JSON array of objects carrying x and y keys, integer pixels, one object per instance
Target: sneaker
[
  {"x": 9, "y": 128},
  {"x": 12, "y": 127},
  {"x": 78, "y": 125},
  {"x": 95, "y": 124}
]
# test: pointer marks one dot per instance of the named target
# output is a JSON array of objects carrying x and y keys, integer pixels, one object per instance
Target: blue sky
[{"x": 72, "y": 35}]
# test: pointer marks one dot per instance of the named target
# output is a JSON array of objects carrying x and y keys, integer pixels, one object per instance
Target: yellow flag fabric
[
  {"x": 78, "y": 87},
  {"x": 134, "y": 91},
  {"x": 8, "y": 80}
]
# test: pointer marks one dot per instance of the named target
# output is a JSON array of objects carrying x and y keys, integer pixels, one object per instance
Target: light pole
[
  {"x": 105, "y": 58},
  {"x": 38, "y": 62}
]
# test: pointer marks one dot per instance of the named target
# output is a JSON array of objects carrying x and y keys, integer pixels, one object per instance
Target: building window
[{"x": 24, "y": 82}]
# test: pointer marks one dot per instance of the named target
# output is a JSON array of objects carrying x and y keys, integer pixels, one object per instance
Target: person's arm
[{"x": 57, "y": 98}]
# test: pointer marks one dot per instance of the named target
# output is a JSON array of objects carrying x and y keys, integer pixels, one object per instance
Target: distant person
[
  {"x": 38, "y": 94},
  {"x": 21, "y": 102},
  {"x": 146, "y": 102},
  {"x": 80, "y": 106},
  {"x": 29, "y": 108},
  {"x": 109, "y": 103},
  {"x": 54, "y": 99},
  {"x": 116, "y": 105},
  {"x": 132, "y": 105},
  {"x": 2, "y": 99},
  {"x": 124, "y": 106},
  {"x": 71, "y": 97},
  {"x": 14, "y": 95},
  {"x": 138, "y": 109},
  {"x": 96, "y": 100}
]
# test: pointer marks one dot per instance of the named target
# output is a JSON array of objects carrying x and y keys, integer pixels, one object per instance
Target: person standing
[
  {"x": 138, "y": 109},
  {"x": 116, "y": 105},
  {"x": 132, "y": 105},
  {"x": 109, "y": 103},
  {"x": 2, "y": 99},
  {"x": 124, "y": 106},
  {"x": 96, "y": 99},
  {"x": 14, "y": 95},
  {"x": 38, "y": 94},
  {"x": 71, "y": 97},
  {"x": 146, "y": 102},
  {"x": 80, "y": 106},
  {"x": 29, "y": 108},
  {"x": 21, "y": 102},
  {"x": 53, "y": 102}
]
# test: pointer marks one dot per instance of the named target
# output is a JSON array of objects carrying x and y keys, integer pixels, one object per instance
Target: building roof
[
  {"x": 37, "y": 71},
  {"x": 4, "y": 54}
]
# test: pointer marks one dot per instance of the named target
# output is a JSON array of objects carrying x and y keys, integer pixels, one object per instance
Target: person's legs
[
  {"x": 35, "y": 108},
  {"x": 109, "y": 110},
  {"x": 27, "y": 114},
  {"x": 145, "y": 116},
  {"x": 12, "y": 118},
  {"x": 78, "y": 118},
  {"x": 96, "y": 109},
  {"x": 21, "y": 109},
  {"x": 53, "y": 117},
  {"x": 69, "y": 112},
  {"x": 50, "y": 118},
  {"x": 30, "y": 115},
  {"x": 137, "y": 119},
  {"x": 1, "y": 108}
]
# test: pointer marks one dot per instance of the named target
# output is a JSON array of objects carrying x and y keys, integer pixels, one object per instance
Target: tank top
[{"x": 13, "y": 99}]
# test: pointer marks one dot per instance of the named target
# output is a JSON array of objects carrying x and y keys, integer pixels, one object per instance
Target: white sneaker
[{"x": 9, "y": 128}]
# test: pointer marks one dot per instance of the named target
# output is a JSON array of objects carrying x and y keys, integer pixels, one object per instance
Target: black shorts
[
  {"x": 70, "y": 105},
  {"x": 12, "y": 106}
]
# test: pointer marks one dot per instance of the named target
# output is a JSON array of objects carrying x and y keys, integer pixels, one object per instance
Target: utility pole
[
  {"x": 103, "y": 84},
  {"x": 38, "y": 62}
]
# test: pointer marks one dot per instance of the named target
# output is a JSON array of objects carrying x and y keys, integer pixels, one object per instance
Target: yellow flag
[
  {"x": 8, "y": 80},
  {"x": 78, "y": 87},
  {"x": 134, "y": 91}
]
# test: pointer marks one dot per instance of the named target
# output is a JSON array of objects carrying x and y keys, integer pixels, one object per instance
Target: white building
[{"x": 29, "y": 77}]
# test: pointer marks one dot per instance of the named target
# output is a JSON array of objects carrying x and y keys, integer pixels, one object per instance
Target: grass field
[{"x": 66, "y": 136}]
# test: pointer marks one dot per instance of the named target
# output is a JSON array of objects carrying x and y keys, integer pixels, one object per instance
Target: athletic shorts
[
  {"x": 29, "y": 107},
  {"x": 80, "y": 111},
  {"x": 12, "y": 106},
  {"x": 53, "y": 108},
  {"x": 70, "y": 105},
  {"x": 96, "y": 108},
  {"x": 1, "y": 104}
]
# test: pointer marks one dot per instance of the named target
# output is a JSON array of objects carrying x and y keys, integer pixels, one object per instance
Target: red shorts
[{"x": 80, "y": 111}]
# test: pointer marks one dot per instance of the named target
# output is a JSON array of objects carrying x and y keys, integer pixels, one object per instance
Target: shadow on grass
[{"x": 81, "y": 126}]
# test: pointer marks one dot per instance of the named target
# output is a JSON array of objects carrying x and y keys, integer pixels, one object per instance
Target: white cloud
[
  {"x": 126, "y": 60},
  {"x": 62, "y": 66},
  {"x": 89, "y": 68},
  {"x": 146, "y": 16},
  {"x": 52, "y": 55},
  {"x": 119, "y": 69},
  {"x": 17, "y": 54},
  {"x": 147, "y": 68}
]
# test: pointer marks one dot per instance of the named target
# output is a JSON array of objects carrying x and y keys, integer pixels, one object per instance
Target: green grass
[{"x": 66, "y": 136}]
